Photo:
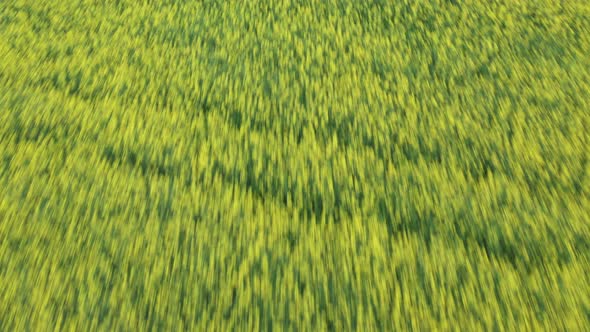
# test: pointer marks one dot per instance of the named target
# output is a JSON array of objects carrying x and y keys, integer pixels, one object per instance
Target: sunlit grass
[{"x": 310, "y": 165}]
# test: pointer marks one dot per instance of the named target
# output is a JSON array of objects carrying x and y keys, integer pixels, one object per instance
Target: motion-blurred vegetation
[{"x": 305, "y": 164}]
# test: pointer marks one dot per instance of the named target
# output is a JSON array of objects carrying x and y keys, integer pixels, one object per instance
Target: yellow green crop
[{"x": 298, "y": 165}]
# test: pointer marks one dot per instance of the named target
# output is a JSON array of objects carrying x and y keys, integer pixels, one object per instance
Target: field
[{"x": 302, "y": 165}]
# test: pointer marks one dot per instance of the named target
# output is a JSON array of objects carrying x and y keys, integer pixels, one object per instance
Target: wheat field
[{"x": 299, "y": 165}]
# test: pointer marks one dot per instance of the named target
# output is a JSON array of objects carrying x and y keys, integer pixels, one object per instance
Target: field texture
[{"x": 299, "y": 165}]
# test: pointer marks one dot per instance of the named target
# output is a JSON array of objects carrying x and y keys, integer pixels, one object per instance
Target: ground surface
[{"x": 311, "y": 165}]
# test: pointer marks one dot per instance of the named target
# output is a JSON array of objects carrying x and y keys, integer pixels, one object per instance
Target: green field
[{"x": 309, "y": 165}]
